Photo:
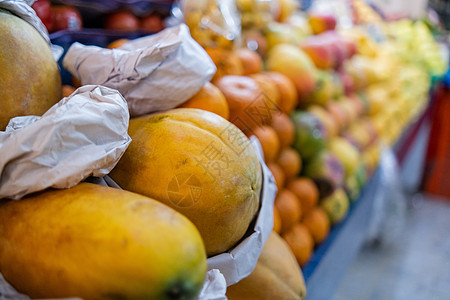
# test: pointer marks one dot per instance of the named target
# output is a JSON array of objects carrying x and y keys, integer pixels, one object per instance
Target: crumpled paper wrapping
[
  {"x": 81, "y": 135},
  {"x": 153, "y": 73},
  {"x": 23, "y": 10}
]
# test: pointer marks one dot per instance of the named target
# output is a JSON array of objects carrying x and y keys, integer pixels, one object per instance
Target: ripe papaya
[
  {"x": 199, "y": 164},
  {"x": 97, "y": 242},
  {"x": 30, "y": 82},
  {"x": 277, "y": 275}
]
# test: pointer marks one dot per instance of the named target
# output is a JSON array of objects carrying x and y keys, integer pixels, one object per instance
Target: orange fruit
[
  {"x": 288, "y": 94},
  {"x": 318, "y": 224},
  {"x": 289, "y": 209},
  {"x": 269, "y": 142},
  {"x": 209, "y": 98},
  {"x": 306, "y": 191},
  {"x": 67, "y": 90},
  {"x": 226, "y": 61},
  {"x": 290, "y": 162},
  {"x": 278, "y": 174},
  {"x": 244, "y": 97},
  {"x": 117, "y": 43},
  {"x": 276, "y": 220},
  {"x": 270, "y": 92},
  {"x": 251, "y": 61},
  {"x": 301, "y": 243},
  {"x": 284, "y": 128}
]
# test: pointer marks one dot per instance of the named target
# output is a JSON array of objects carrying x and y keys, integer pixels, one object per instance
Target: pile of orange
[{"x": 297, "y": 216}]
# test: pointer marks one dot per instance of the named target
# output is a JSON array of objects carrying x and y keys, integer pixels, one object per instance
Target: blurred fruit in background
[
  {"x": 290, "y": 162},
  {"x": 269, "y": 140},
  {"x": 296, "y": 65},
  {"x": 209, "y": 98},
  {"x": 251, "y": 61},
  {"x": 301, "y": 242},
  {"x": 326, "y": 171},
  {"x": 243, "y": 95},
  {"x": 317, "y": 223},
  {"x": 284, "y": 128},
  {"x": 121, "y": 20},
  {"x": 286, "y": 90},
  {"x": 321, "y": 22},
  {"x": 44, "y": 12},
  {"x": 152, "y": 23},
  {"x": 306, "y": 191},
  {"x": 226, "y": 61},
  {"x": 310, "y": 134},
  {"x": 66, "y": 17},
  {"x": 336, "y": 205},
  {"x": 289, "y": 208}
]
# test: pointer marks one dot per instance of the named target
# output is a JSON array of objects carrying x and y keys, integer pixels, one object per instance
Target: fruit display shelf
[{"x": 332, "y": 258}]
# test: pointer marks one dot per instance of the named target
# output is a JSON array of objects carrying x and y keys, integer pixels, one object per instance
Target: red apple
[
  {"x": 44, "y": 12},
  {"x": 152, "y": 23},
  {"x": 66, "y": 17},
  {"x": 122, "y": 20}
]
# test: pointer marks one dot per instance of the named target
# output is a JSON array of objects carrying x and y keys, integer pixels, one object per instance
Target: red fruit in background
[
  {"x": 153, "y": 23},
  {"x": 321, "y": 22},
  {"x": 66, "y": 17},
  {"x": 44, "y": 12},
  {"x": 122, "y": 20},
  {"x": 347, "y": 80},
  {"x": 319, "y": 51},
  {"x": 350, "y": 45}
]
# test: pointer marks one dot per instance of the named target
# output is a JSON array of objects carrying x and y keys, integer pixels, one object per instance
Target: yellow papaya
[
  {"x": 199, "y": 164},
  {"x": 29, "y": 79},
  {"x": 98, "y": 242},
  {"x": 277, "y": 275}
]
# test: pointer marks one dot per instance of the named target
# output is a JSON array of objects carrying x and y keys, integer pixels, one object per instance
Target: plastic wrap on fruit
[
  {"x": 83, "y": 134},
  {"x": 153, "y": 73},
  {"x": 213, "y": 23}
]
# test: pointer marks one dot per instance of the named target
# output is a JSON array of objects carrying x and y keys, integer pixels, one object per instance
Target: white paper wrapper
[
  {"x": 153, "y": 73},
  {"x": 240, "y": 261},
  {"x": 23, "y": 9},
  {"x": 81, "y": 135},
  {"x": 214, "y": 287}
]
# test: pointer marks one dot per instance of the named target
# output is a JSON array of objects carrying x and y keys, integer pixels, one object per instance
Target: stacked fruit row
[{"x": 336, "y": 96}]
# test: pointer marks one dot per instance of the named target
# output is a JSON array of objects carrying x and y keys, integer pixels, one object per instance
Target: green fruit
[
  {"x": 30, "y": 82},
  {"x": 310, "y": 134},
  {"x": 336, "y": 206}
]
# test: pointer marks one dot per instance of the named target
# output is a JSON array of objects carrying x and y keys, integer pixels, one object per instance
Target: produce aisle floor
[{"x": 414, "y": 267}]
